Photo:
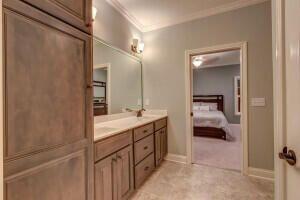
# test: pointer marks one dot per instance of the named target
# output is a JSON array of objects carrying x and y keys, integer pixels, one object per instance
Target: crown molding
[
  {"x": 125, "y": 13},
  {"x": 202, "y": 14}
]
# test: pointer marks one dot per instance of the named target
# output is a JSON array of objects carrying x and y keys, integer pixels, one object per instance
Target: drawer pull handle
[
  {"x": 146, "y": 147},
  {"x": 146, "y": 168},
  {"x": 145, "y": 131}
]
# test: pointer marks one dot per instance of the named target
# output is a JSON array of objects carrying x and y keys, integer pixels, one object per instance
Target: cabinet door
[
  {"x": 164, "y": 142},
  {"x": 75, "y": 12},
  {"x": 48, "y": 135},
  {"x": 158, "y": 146},
  {"x": 106, "y": 179},
  {"x": 125, "y": 173}
]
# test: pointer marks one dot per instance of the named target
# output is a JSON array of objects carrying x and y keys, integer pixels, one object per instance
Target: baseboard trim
[
  {"x": 261, "y": 173},
  {"x": 176, "y": 158}
]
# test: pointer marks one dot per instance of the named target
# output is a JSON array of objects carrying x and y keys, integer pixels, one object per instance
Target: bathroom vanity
[{"x": 127, "y": 150}]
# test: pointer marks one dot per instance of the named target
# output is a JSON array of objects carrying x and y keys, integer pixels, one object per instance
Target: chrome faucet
[{"x": 139, "y": 113}]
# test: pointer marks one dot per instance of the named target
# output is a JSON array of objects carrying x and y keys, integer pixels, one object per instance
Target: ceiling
[
  {"x": 219, "y": 59},
  {"x": 148, "y": 15}
]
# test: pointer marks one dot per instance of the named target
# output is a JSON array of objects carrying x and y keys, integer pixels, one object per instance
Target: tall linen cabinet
[{"x": 48, "y": 119}]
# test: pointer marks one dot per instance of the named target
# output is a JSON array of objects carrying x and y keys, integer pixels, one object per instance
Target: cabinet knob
[
  {"x": 145, "y": 131},
  {"x": 146, "y": 147},
  {"x": 88, "y": 24},
  {"x": 146, "y": 168},
  {"x": 89, "y": 86}
]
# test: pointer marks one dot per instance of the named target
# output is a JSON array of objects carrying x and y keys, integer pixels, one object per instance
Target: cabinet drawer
[
  {"x": 143, "y": 148},
  {"x": 160, "y": 124},
  {"x": 143, "y": 131},
  {"x": 110, "y": 145},
  {"x": 143, "y": 170}
]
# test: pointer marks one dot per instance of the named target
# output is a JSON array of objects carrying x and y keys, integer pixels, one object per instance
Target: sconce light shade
[
  {"x": 94, "y": 13},
  {"x": 141, "y": 47},
  {"x": 135, "y": 42},
  {"x": 137, "y": 46}
]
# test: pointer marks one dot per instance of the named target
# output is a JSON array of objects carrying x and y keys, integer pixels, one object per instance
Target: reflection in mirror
[{"x": 117, "y": 80}]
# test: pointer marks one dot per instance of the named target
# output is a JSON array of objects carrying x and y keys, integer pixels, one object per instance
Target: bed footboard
[{"x": 210, "y": 132}]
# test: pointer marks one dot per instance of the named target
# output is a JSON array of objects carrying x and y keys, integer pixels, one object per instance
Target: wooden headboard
[{"x": 218, "y": 99}]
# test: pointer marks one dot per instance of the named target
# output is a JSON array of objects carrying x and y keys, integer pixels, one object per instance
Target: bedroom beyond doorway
[{"x": 216, "y": 105}]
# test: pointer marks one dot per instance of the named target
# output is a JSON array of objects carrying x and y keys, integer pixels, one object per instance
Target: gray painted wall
[
  {"x": 164, "y": 69},
  {"x": 113, "y": 28},
  {"x": 218, "y": 80}
]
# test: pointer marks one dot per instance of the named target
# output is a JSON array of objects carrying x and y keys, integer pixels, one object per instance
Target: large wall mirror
[{"x": 117, "y": 80}]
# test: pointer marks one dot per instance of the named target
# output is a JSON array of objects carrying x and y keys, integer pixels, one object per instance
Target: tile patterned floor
[{"x": 173, "y": 181}]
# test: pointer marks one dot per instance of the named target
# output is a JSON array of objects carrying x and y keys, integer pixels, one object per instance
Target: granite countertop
[{"x": 106, "y": 129}]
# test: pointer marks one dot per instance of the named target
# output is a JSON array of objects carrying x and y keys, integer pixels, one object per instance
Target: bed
[{"x": 208, "y": 117}]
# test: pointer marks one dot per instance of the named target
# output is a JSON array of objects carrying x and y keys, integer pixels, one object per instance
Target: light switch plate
[{"x": 258, "y": 102}]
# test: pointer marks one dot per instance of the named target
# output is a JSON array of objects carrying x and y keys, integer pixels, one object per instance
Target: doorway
[{"x": 198, "y": 134}]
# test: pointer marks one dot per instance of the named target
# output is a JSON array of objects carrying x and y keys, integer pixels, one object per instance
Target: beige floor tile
[{"x": 172, "y": 181}]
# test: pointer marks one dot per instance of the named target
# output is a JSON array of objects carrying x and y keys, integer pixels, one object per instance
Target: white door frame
[
  {"x": 108, "y": 84},
  {"x": 278, "y": 92},
  {"x": 242, "y": 46}
]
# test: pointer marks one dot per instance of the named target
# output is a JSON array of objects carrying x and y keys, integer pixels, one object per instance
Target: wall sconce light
[
  {"x": 94, "y": 13},
  {"x": 137, "y": 46}
]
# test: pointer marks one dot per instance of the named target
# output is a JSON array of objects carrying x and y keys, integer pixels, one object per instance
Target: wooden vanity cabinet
[
  {"x": 124, "y": 161},
  {"x": 161, "y": 140},
  {"x": 158, "y": 146},
  {"x": 106, "y": 179},
  {"x": 125, "y": 173},
  {"x": 143, "y": 152},
  {"x": 114, "y": 178}
]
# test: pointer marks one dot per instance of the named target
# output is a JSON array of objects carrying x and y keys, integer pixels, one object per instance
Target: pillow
[
  {"x": 196, "y": 104},
  {"x": 196, "y": 107},
  {"x": 204, "y": 108},
  {"x": 212, "y": 106}
]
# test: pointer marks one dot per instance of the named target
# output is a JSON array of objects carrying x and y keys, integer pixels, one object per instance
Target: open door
[{"x": 287, "y": 95}]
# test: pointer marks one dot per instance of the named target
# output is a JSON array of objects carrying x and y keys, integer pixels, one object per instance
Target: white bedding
[{"x": 214, "y": 119}]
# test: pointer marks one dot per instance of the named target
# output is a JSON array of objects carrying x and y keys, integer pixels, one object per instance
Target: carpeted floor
[{"x": 219, "y": 153}]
